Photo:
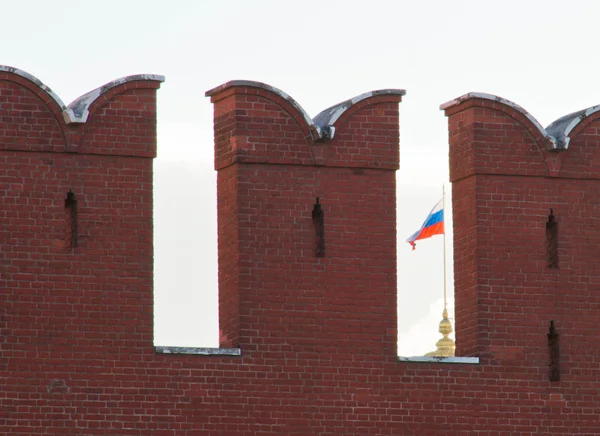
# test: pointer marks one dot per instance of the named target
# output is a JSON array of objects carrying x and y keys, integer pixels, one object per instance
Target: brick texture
[{"x": 317, "y": 334}]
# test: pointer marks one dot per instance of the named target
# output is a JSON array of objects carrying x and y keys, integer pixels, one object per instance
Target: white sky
[{"x": 540, "y": 54}]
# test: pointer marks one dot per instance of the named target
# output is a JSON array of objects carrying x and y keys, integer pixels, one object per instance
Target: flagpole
[
  {"x": 445, "y": 221},
  {"x": 445, "y": 347}
]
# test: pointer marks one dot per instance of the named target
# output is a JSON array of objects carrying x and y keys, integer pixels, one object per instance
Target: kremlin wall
[{"x": 307, "y": 271}]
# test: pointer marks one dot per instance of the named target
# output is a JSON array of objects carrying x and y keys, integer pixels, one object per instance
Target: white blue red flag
[{"x": 433, "y": 225}]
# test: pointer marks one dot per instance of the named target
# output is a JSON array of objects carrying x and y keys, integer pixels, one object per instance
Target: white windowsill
[
  {"x": 430, "y": 359},
  {"x": 199, "y": 351}
]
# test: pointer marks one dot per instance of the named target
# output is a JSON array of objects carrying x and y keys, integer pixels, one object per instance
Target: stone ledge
[
  {"x": 431, "y": 359},
  {"x": 199, "y": 351}
]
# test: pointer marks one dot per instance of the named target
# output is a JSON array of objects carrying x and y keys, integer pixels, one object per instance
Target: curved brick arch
[
  {"x": 582, "y": 160},
  {"x": 273, "y": 94},
  {"x": 365, "y": 134},
  {"x": 510, "y": 108},
  {"x": 255, "y": 122},
  {"x": 36, "y": 94},
  {"x": 33, "y": 84},
  {"x": 80, "y": 109},
  {"x": 581, "y": 121},
  {"x": 568, "y": 127},
  {"x": 477, "y": 113},
  {"x": 118, "y": 118},
  {"x": 499, "y": 103},
  {"x": 334, "y": 117}
]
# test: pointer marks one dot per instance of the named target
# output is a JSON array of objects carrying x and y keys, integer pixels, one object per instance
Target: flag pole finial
[{"x": 445, "y": 347}]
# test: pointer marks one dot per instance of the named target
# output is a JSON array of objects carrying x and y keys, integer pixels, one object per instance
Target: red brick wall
[{"x": 317, "y": 335}]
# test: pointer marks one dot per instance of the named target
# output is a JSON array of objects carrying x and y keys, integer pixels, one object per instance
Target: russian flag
[{"x": 433, "y": 225}]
